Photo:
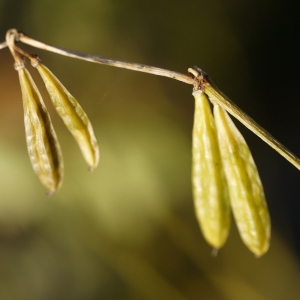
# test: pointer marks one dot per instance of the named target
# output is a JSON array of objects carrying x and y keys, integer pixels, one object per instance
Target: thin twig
[
  {"x": 107, "y": 61},
  {"x": 3, "y": 45},
  {"x": 217, "y": 96}
]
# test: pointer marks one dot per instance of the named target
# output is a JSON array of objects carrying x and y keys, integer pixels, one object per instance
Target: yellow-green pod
[
  {"x": 209, "y": 183},
  {"x": 73, "y": 116},
  {"x": 42, "y": 144},
  {"x": 245, "y": 189}
]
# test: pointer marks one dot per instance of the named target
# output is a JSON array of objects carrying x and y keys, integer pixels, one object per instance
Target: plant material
[
  {"x": 43, "y": 147},
  {"x": 42, "y": 144},
  {"x": 209, "y": 184},
  {"x": 219, "y": 151},
  {"x": 223, "y": 168},
  {"x": 246, "y": 192},
  {"x": 72, "y": 114}
]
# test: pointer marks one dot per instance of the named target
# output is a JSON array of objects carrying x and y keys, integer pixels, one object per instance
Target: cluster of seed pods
[
  {"x": 42, "y": 143},
  {"x": 224, "y": 175}
]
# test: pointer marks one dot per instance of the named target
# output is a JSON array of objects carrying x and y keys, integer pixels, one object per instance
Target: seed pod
[
  {"x": 43, "y": 147},
  {"x": 245, "y": 189},
  {"x": 73, "y": 116},
  {"x": 209, "y": 183}
]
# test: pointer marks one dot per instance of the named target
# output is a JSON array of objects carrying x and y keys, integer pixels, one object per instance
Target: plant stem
[
  {"x": 217, "y": 96},
  {"x": 108, "y": 61},
  {"x": 3, "y": 45}
]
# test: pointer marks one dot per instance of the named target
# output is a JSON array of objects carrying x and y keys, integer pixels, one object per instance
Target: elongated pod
[
  {"x": 43, "y": 147},
  {"x": 73, "y": 116},
  {"x": 209, "y": 183},
  {"x": 246, "y": 192}
]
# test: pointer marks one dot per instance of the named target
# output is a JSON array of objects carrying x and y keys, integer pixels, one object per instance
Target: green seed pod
[
  {"x": 73, "y": 116},
  {"x": 209, "y": 183},
  {"x": 245, "y": 189},
  {"x": 43, "y": 147}
]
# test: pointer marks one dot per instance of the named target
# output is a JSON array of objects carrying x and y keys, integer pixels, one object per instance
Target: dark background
[{"x": 128, "y": 230}]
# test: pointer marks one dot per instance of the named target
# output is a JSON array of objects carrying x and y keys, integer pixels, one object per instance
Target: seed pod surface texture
[
  {"x": 73, "y": 116},
  {"x": 209, "y": 183},
  {"x": 245, "y": 189},
  {"x": 43, "y": 147}
]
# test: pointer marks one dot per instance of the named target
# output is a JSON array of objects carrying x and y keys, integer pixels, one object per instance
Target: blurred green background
[{"x": 128, "y": 230}]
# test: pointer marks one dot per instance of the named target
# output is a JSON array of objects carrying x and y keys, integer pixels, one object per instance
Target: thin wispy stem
[
  {"x": 108, "y": 61},
  {"x": 217, "y": 96},
  {"x": 3, "y": 45}
]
